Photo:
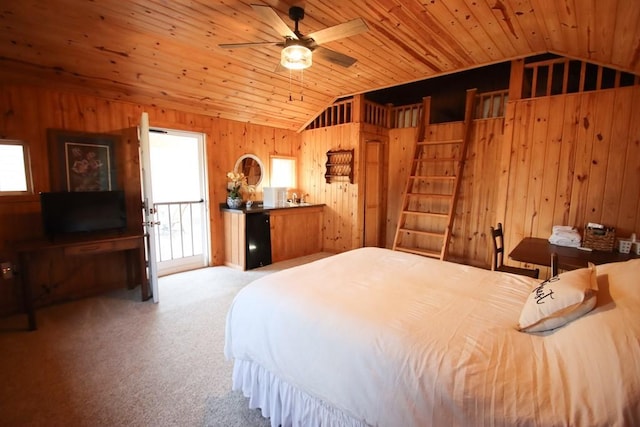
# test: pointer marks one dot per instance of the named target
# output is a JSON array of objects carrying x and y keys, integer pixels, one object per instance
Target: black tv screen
[{"x": 82, "y": 212}]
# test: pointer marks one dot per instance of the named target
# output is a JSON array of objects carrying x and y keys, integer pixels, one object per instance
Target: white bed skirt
[{"x": 284, "y": 404}]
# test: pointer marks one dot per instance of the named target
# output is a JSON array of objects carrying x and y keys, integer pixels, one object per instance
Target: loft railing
[
  {"x": 339, "y": 113},
  {"x": 177, "y": 235},
  {"x": 543, "y": 78},
  {"x": 406, "y": 116},
  {"x": 491, "y": 104},
  {"x": 376, "y": 114},
  {"x": 343, "y": 112},
  {"x": 564, "y": 75},
  {"x": 488, "y": 105}
]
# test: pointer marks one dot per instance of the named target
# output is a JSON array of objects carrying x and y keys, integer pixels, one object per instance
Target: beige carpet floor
[{"x": 113, "y": 360}]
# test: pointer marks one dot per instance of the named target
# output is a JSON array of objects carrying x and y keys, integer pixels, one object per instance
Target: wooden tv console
[{"x": 132, "y": 244}]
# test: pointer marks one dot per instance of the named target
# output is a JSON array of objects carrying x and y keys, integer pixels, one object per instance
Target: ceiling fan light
[{"x": 295, "y": 57}]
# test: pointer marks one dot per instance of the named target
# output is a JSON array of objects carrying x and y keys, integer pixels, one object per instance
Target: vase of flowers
[{"x": 237, "y": 182}]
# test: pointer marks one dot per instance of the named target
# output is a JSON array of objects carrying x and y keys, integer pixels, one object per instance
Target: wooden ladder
[{"x": 431, "y": 193}]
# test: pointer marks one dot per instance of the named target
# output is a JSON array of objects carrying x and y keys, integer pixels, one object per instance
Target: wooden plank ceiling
[{"x": 165, "y": 53}]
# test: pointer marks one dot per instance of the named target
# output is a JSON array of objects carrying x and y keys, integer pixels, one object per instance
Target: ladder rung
[
  {"x": 438, "y": 215},
  {"x": 413, "y": 193},
  {"x": 441, "y": 142},
  {"x": 432, "y": 195},
  {"x": 418, "y": 251},
  {"x": 422, "y": 233},
  {"x": 445, "y": 177}
]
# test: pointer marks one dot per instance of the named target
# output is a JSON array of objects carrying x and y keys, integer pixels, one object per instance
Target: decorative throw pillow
[{"x": 560, "y": 300}]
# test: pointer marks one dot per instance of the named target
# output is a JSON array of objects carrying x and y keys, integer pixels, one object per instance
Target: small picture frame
[{"x": 82, "y": 161}]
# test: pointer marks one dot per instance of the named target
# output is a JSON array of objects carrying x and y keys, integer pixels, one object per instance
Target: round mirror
[{"x": 251, "y": 167}]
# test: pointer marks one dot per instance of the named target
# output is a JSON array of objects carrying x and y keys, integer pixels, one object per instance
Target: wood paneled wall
[
  {"x": 27, "y": 112},
  {"x": 401, "y": 151},
  {"x": 226, "y": 142},
  {"x": 342, "y": 225},
  {"x": 569, "y": 160},
  {"x": 560, "y": 160},
  {"x": 476, "y": 204},
  {"x": 476, "y": 210},
  {"x": 566, "y": 159}
]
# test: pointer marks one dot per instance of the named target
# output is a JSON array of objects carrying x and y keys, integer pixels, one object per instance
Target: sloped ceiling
[{"x": 165, "y": 53}]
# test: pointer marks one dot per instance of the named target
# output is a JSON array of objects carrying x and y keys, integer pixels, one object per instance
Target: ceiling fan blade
[
  {"x": 346, "y": 29},
  {"x": 335, "y": 57},
  {"x": 250, "y": 44},
  {"x": 271, "y": 17}
]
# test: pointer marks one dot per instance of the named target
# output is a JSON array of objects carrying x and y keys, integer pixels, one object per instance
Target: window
[
  {"x": 15, "y": 171},
  {"x": 283, "y": 172}
]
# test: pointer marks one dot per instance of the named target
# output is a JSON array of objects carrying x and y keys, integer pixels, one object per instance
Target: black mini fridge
[{"x": 258, "y": 250}]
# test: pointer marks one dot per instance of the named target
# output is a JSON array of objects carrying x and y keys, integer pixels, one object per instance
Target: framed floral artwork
[{"x": 82, "y": 161}]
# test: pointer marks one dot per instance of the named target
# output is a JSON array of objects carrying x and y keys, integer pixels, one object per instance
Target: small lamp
[{"x": 295, "y": 57}]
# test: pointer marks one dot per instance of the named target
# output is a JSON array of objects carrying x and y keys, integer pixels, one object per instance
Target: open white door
[
  {"x": 179, "y": 199},
  {"x": 149, "y": 212}
]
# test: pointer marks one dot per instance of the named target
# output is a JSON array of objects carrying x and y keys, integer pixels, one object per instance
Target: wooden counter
[{"x": 295, "y": 232}]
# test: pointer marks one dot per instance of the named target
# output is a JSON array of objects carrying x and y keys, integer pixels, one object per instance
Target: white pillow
[{"x": 560, "y": 300}]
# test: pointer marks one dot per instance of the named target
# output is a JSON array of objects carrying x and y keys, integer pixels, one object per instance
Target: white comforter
[{"x": 395, "y": 339}]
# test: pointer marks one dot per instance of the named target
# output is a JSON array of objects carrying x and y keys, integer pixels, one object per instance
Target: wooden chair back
[
  {"x": 497, "y": 235},
  {"x": 498, "y": 246}
]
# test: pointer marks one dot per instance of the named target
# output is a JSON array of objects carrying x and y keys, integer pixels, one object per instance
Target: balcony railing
[
  {"x": 376, "y": 114},
  {"x": 336, "y": 114},
  {"x": 406, "y": 116},
  {"x": 491, "y": 104},
  {"x": 565, "y": 75},
  {"x": 488, "y": 105},
  {"x": 179, "y": 233}
]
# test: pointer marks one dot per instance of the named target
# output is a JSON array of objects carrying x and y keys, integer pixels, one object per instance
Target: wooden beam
[
  {"x": 358, "y": 109},
  {"x": 516, "y": 79}
]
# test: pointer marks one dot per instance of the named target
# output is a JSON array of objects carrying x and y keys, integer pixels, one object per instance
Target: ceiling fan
[{"x": 297, "y": 47}]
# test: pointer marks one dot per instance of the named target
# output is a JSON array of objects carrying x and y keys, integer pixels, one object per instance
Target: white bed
[{"x": 384, "y": 338}]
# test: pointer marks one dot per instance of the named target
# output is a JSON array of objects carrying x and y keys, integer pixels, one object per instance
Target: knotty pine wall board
[
  {"x": 589, "y": 145},
  {"x": 27, "y": 112}
]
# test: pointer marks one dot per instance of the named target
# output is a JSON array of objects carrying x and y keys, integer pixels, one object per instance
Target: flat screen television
[{"x": 65, "y": 213}]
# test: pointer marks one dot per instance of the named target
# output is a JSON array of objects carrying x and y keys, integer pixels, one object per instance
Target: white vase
[{"x": 234, "y": 202}]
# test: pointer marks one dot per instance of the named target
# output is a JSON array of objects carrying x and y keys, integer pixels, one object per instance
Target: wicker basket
[{"x": 599, "y": 239}]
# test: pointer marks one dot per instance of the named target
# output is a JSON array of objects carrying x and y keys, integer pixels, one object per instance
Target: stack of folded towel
[{"x": 565, "y": 235}]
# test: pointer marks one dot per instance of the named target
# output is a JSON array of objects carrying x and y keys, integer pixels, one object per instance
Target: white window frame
[
  {"x": 294, "y": 172},
  {"x": 27, "y": 167}
]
